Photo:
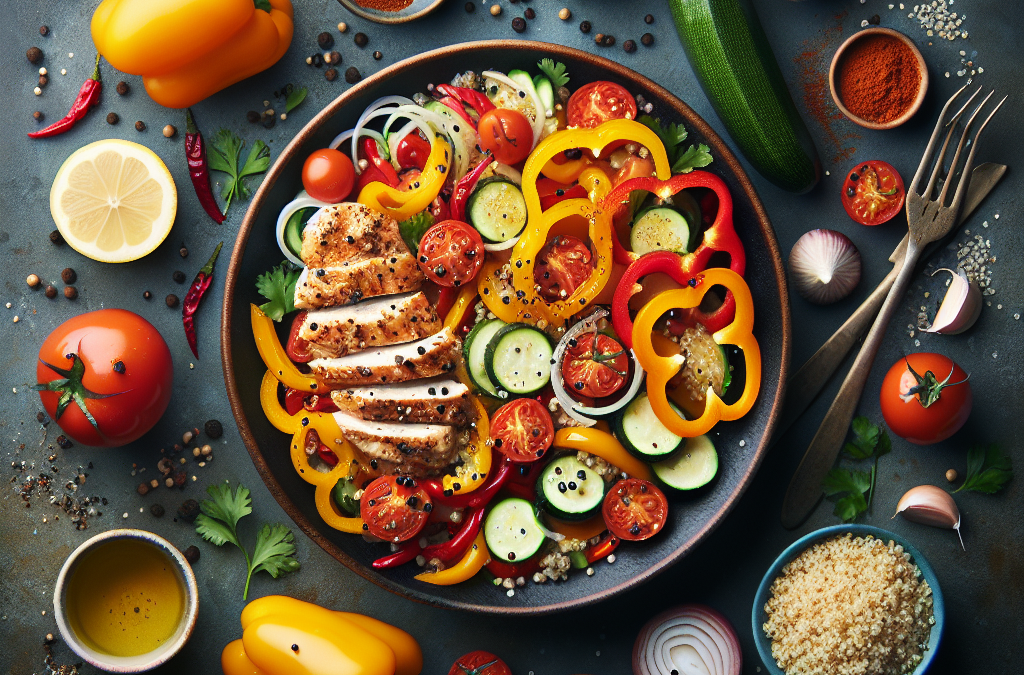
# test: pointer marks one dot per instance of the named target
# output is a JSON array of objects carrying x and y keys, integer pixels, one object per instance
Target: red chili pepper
[
  {"x": 478, "y": 497},
  {"x": 198, "y": 169},
  {"x": 446, "y": 299},
  {"x": 465, "y": 186},
  {"x": 477, "y": 100},
  {"x": 378, "y": 169},
  {"x": 195, "y": 293},
  {"x": 455, "y": 106},
  {"x": 317, "y": 403},
  {"x": 719, "y": 236},
  {"x": 439, "y": 208},
  {"x": 406, "y": 551},
  {"x": 327, "y": 455},
  {"x": 454, "y": 548},
  {"x": 603, "y": 549},
  {"x": 88, "y": 97}
]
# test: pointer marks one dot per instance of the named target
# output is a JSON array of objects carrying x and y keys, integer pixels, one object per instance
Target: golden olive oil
[{"x": 125, "y": 598}]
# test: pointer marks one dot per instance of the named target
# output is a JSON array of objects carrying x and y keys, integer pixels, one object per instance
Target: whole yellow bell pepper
[
  {"x": 187, "y": 50},
  {"x": 285, "y": 636}
]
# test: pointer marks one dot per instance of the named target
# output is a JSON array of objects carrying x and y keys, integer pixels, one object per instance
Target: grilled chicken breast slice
[
  {"x": 354, "y": 281},
  {"x": 344, "y": 233},
  {"x": 438, "y": 401},
  {"x": 378, "y": 322},
  {"x": 434, "y": 355},
  {"x": 412, "y": 449}
]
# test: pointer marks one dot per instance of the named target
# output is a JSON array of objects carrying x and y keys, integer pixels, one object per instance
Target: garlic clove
[
  {"x": 930, "y": 505},
  {"x": 960, "y": 307},
  {"x": 824, "y": 266}
]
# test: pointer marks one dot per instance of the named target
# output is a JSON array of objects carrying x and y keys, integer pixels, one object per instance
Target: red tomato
[
  {"x": 451, "y": 253},
  {"x": 118, "y": 367},
  {"x": 597, "y": 102},
  {"x": 522, "y": 430},
  {"x": 507, "y": 134},
  {"x": 296, "y": 347},
  {"x": 562, "y": 267},
  {"x": 873, "y": 193},
  {"x": 294, "y": 400},
  {"x": 328, "y": 175},
  {"x": 634, "y": 509},
  {"x": 412, "y": 151},
  {"x": 394, "y": 508},
  {"x": 595, "y": 365},
  {"x": 925, "y": 398},
  {"x": 479, "y": 663},
  {"x": 409, "y": 180}
]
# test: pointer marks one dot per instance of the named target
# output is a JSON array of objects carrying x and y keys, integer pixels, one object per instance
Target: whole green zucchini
[{"x": 734, "y": 64}]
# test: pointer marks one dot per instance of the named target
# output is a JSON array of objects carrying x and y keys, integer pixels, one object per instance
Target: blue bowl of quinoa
[{"x": 848, "y": 600}]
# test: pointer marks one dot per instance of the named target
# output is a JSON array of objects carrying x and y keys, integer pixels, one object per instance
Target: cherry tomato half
[
  {"x": 873, "y": 193},
  {"x": 925, "y": 398},
  {"x": 451, "y": 253},
  {"x": 297, "y": 348},
  {"x": 394, "y": 508},
  {"x": 479, "y": 663},
  {"x": 562, "y": 267},
  {"x": 595, "y": 365},
  {"x": 522, "y": 430},
  {"x": 507, "y": 134},
  {"x": 634, "y": 509},
  {"x": 328, "y": 175},
  {"x": 597, "y": 102},
  {"x": 412, "y": 151}
]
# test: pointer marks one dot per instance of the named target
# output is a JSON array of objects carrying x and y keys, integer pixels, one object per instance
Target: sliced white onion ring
[
  {"x": 538, "y": 121},
  {"x": 687, "y": 639},
  {"x": 370, "y": 109},
  {"x": 503, "y": 246},
  {"x": 301, "y": 201}
]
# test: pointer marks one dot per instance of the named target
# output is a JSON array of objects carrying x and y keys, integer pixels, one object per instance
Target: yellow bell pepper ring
[
  {"x": 273, "y": 353},
  {"x": 661, "y": 369},
  {"x": 260, "y": 43},
  {"x": 143, "y": 37},
  {"x": 272, "y": 407},
  {"x": 601, "y": 444},
  {"x": 472, "y": 562},
  {"x": 403, "y": 204}
]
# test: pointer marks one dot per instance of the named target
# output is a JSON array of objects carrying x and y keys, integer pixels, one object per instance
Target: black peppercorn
[
  {"x": 70, "y": 292},
  {"x": 38, "y": 117},
  {"x": 530, "y": 14},
  {"x": 183, "y": 252},
  {"x": 50, "y": 292},
  {"x": 43, "y": 80},
  {"x": 191, "y": 555},
  {"x": 188, "y": 510},
  {"x": 629, "y": 46},
  {"x": 352, "y": 75},
  {"x": 57, "y": 238},
  {"x": 140, "y": 126},
  {"x": 123, "y": 88},
  {"x": 34, "y": 54},
  {"x": 649, "y": 18},
  {"x": 470, "y": 8},
  {"x": 157, "y": 510},
  {"x": 377, "y": 56},
  {"x": 178, "y": 276},
  {"x": 41, "y": 417},
  {"x": 361, "y": 40},
  {"x": 325, "y": 40},
  {"x": 64, "y": 443},
  {"x": 252, "y": 116},
  {"x": 335, "y": 57},
  {"x": 147, "y": 295},
  {"x": 68, "y": 276},
  {"x": 585, "y": 27},
  {"x": 171, "y": 300},
  {"x": 318, "y": 60},
  {"x": 647, "y": 39},
  {"x": 519, "y": 24},
  {"x": 331, "y": 74},
  {"x": 875, "y": 20},
  {"x": 213, "y": 428},
  {"x": 44, "y": 30},
  {"x": 119, "y": 367},
  {"x": 609, "y": 40},
  {"x": 112, "y": 118}
]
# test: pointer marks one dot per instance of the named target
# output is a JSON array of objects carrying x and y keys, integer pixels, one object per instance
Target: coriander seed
[
  {"x": 495, "y": 10},
  {"x": 170, "y": 131},
  {"x": 951, "y": 475},
  {"x": 38, "y": 116},
  {"x": 342, "y": 27},
  {"x": 32, "y": 280},
  {"x": 564, "y": 14}
]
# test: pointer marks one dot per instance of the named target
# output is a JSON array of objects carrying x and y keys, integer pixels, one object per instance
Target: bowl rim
[
  {"x": 922, "y": 68},
  {"x": 386, "y": 18},
  {"x": 310, "y": 529},
  {"x": 757, "y": 613}
]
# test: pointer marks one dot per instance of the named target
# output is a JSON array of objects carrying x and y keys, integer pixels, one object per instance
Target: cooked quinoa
[{"x": 850, "y": 606}]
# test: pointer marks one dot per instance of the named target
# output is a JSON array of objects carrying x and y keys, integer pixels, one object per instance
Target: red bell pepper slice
[
  {"x": 454, "y": 548},
  {"x": 293, "y": 400},
  {"x": 378, "y": 169},
  {"x": 477, "y": 498},
  {"x": 604, "y": 548},
  {"x": 551, "y": 192},
  {"x": 475, "y": 99},
  {"x": 506, "y": 570},
  {"x": 456, "y": 106},
  {"x": 719, "y": 236}
]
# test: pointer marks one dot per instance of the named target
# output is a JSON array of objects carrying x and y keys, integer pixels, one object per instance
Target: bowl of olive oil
[{"x": 126, "y": 601}]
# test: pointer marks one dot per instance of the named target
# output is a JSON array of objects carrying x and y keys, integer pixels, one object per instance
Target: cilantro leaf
[
  {"x": 554, "y": 72},
  {"x": 273, "y": 553},
  {"x": 852, "y": 484},
  {"x": 850, "y": 506},
  {"x": 257, "y": 162},
  {"x": 223, "y": 154},
  {"x": 278, "y": 287},
  {"x": 413, "y": 228},
  {"x": 988, "y": 469},
  {"x": 865, "y": 438},
  {"x": 672, "y": 137},
  {"x": 294, "y": 98},
  {"x": 694, "y": 158}
]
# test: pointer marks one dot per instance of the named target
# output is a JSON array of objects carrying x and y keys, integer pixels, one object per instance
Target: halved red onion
[{"x": 687, "y": 640}]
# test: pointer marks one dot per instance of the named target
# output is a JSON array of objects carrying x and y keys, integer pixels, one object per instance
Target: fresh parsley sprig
[
  {"x": 554, "y": 72},
  {"x": 218, "y": 524},
  {"x": 224, "y": 154},
  {"x": 672, "y": 137},
  {"x": 848, "y": 487},
  {"x": 988, "y": 469},
  {"x": 278, "y": 287}
]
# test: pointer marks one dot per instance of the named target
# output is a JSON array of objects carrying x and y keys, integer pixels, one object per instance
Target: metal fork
[{"x": 928, "y": 220}]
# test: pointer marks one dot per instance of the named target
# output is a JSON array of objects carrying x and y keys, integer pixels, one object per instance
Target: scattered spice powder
[
  {"x": 878, "y": 78},
  {"x": 384, "y": 5}
]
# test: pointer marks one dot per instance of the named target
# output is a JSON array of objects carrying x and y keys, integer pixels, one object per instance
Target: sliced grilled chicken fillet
[
  {"x": 357, "y": 280},
  {"x": 347, "y": 232},
  {"x": 378, "y": 322},
  {"x": 413, "y": 449},
  {"x": 438, "y": 401},
  {"x": 435, "y": 355}
]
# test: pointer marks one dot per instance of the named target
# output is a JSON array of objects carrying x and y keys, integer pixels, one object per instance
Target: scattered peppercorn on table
[{"x": 58, "y": 493}]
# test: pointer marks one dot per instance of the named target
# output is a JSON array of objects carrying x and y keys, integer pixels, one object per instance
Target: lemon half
[{"x": 113, "y": 200}]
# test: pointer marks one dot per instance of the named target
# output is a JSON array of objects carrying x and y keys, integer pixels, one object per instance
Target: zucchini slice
[
  {"x": 660, "y": 229},
  {"x": 643, "y": 434},
  {"x": 497, "y": 209},
  {"x": 518, "y": 360},
  {"x": 692, "y": 468},
  {"x": 473, "y": 350},
  {"x": 569, "y": 490},
  {"x": 511, "y": 530},
  {"x": 546, "y": 93}
]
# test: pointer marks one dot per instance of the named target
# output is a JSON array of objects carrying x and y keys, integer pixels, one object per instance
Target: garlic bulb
[
  {"x": 930, "y": 505},
  {"x": 824, "y": 266},
  {"x": 960, "y": 307}
]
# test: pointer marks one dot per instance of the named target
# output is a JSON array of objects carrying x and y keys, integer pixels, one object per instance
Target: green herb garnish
[
  {"x": 554, "y": 72},
  {"x": 672, "y": 136},
  {"x": 988, "y": 469},
  {"x": 278, "y": 287},
  {"x": 294, "y": 98},
  {"x": 224, "y": 153},
  {"x": 263, "y": 4},
  {"x": 218, "y": 524},
  {"x": 848, "y": 487},
  {"x": 413, "y": 229}
]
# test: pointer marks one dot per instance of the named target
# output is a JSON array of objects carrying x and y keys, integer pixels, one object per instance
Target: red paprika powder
[{"x": 878, "y": 78}]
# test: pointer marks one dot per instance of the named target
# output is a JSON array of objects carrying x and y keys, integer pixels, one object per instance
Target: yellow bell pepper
[
  {"x": 660, "y": 369},
  {"x": 285, "y": 636},
  {"x": 403, "y": 204},
  {"x": 472, "y": 562},
  {"x": 585, "y": 530},
  {"x": 604, "y": 445},
  {"x": 187, "y": 50},
  {"x": 273, "y": 353}
]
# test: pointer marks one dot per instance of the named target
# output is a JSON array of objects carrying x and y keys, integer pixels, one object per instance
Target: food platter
[{"x": 741, "y": 444}]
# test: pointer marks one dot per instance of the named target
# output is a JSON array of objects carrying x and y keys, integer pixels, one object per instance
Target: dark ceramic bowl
[
  {"x": 741, "y": 444},
  {"x": 759, "y": 616}
]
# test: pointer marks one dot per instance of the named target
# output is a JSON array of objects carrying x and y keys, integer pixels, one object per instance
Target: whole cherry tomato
[
  {"x": 479, "y": 663},
  {"x": 522, "y": 430},
  {"x": 925, "y": 398},
  {"x": 597, "y": 102},
  {"x": 412, "y": 151},
  {"x": 562, "y": 267},
  {"x": 507, "y": 134},
  {"x": 394, "y": 508},
  {"x": 451, "y": 253},
  {"x": 105, "y": 377},
  {"x": 328, "y": 175},
  {"x": 873, "y": 193},
  {"x": 634, "y": 509}
]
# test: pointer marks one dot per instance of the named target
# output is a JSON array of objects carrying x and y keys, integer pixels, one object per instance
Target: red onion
[
  {"x": 687, "y": 640},
  {"x": 824, "y": 266}
]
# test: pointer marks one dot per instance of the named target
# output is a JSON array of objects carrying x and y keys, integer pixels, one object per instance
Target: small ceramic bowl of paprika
[{"x": 878, "y": 78}]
